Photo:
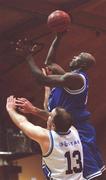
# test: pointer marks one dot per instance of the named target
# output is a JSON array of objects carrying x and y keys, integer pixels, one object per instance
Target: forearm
[
  {"x": 39, "y": 76},
  {"x": 17, "y": 118},
  {"x": 47, "y": 93},
  {"x": 35, "y": 70},
  {"x": 50, "y": 80},
  {"x": 33, "y": 67},
  {"x": 22, "y": 123},
  {"x": 51, "y": 56},
  {"x": 43, "y": 114}
]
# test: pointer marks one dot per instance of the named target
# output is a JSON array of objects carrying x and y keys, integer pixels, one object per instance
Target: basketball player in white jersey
[{"x": 61, "y": 146}]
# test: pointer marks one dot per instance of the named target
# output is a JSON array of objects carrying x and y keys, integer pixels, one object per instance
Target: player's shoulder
[
  {"x": 73, "y": 76},
  {"x": 75, "y": 133},
  {"x": 74, "y": 80},
  {"x": 76, "y": 75},
  {"x": 76, "y": 72},
  {"x": 73, "y": 129}
]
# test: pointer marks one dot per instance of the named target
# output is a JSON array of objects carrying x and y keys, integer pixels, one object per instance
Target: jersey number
[{"x": 77, "y": 156}]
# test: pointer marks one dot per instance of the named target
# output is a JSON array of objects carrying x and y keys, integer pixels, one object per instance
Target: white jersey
[{"x": 64, "y": 160}]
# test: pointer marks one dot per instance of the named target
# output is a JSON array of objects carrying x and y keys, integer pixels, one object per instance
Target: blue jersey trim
[
  {"x": 51, "y": 145},
  {"x": 47, "y": 171}
]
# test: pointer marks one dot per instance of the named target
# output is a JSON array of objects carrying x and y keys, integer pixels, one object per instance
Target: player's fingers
[
  {"x": 19, "y": 103},
  {"x": 21, "y": 109},
  {"x": 34, "y": 47},
  {"x": 22, "y": 99},
  {"x": 19, "y": 49},
  {"x": 48, "y": 71},
  {"x": 19, "y": 42},
  {"x": 44, "y": 71},
  {"x": 10, "y": 97}
]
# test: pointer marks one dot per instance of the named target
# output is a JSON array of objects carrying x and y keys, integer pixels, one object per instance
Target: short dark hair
[{"x": 62, "y": 120}]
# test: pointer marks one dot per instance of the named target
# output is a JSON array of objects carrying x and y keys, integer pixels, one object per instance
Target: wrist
[
  {"x": 10, "y": 109},
  {"x": 34, "y": 110}
]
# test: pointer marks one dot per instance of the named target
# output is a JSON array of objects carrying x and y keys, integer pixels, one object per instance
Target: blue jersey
[{"x": 74, "y": 101}]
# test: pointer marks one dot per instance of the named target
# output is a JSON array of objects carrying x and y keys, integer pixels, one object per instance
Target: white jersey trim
[
  {"x": 78, "y": 91},
  {"x": 97, "y": 173}
]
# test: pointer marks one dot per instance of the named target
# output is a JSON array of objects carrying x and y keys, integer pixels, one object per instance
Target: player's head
[
  {"x": 59, "y": 120},
  {"x": 83, "y": 61}
]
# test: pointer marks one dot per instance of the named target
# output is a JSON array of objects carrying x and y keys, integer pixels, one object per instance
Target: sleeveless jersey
[
  {"x": 64, "y": 160},
  {"x": 74, "y": 101}
]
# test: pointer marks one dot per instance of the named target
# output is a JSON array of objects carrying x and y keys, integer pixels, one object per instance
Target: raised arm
[
  {"x": 69, "y": 80},
  {"x": 50, "y": 61},
  {"x": 36, "y": 133},
  {"x": 51, "y": 56},
  {"x": 47, "y": 90},
  {"x": 63, "y": 79},
  {"x": 46, "y": 96}
]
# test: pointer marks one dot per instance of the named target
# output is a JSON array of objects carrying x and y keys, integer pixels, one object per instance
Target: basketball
[{"x": 58, "y": 21}]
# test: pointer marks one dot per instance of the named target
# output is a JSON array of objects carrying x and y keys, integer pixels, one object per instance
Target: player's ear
[{"x": 53, "y": 126}]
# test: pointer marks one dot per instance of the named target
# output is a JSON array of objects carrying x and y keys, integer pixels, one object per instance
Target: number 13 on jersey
[{"x": 76, "y": 157}]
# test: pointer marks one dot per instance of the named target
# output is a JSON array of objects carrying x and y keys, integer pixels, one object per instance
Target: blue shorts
[{"x": 93, "y": 163}]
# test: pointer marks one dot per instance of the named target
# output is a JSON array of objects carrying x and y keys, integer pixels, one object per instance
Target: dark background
[{"x": 20, "y": 19}]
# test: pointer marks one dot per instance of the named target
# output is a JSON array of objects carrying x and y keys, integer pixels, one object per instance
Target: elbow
[{"x": 42, "y": 80}]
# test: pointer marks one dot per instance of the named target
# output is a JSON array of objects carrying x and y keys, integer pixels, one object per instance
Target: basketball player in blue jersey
[
  {"x": 61, "y": 146},
  {"x": 70, "y": 91}
]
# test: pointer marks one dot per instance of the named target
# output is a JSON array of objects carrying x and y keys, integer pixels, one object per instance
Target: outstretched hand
[
  {"x": 24, "y": 105},
  {"x": 25, "y": 47},
  {"x": 11, "y": 105}
]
